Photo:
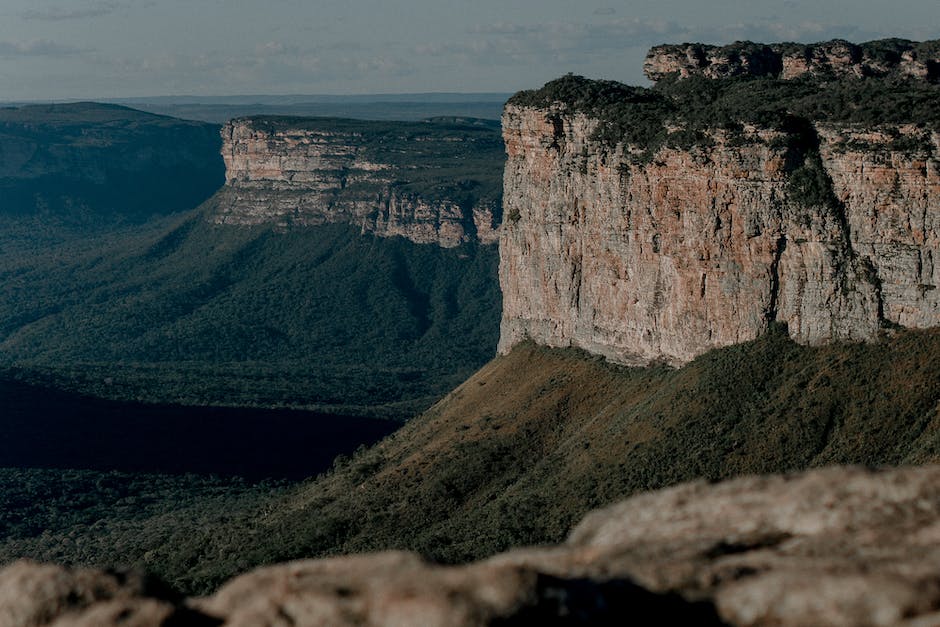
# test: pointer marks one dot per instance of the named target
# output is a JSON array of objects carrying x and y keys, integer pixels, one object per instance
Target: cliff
[
  {"x": 431, "y": 182},
  {"x": 649, "y": 225},
  {"x": 836, "y": 58}
]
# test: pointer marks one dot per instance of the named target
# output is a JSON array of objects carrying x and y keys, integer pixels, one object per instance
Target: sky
[{"x": 87, "y": 49}]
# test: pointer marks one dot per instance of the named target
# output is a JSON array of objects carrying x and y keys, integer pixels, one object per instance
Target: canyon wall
[
  {"x": 387, "y": 178},
  {"x": 665, "y": 257}
]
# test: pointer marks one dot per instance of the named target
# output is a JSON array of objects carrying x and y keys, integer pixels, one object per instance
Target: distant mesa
[
  {"x": 834, "y": 58},
  {"x": 438, "y": 181}
]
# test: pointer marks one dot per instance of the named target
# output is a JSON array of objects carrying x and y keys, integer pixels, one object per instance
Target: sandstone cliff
[
  {"x": 834, "y": 58},
  {"x": 666, "y": 248},
  {"x": 433, "y": 182}
]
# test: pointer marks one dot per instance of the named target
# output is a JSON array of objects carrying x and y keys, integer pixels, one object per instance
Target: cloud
[
  {"x": 59, "y": 14},
  {"x": 38, "y": 48},
  {"x": 269, "y": 66},
  {"x": 773, "y": 31}
]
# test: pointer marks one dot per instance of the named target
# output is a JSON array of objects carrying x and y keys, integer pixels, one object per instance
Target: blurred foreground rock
[{"x": 840, "y": 546}]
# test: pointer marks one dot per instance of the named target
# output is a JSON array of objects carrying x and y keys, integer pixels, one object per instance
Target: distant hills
[
  {"x": 404, "y": 107},
  {"x": 91, "y": 164}
]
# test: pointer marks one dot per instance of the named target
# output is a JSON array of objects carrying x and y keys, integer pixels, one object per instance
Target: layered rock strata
[
  {"x": 296, "y": 172},
  {"x": 836, "y": 58},
  {"x": 840, "y": 546},
  {"x": 695, "y": 248}
]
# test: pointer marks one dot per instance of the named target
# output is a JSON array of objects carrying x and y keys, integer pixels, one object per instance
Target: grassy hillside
[
  {"x": 89, "y": 164},
  {"x": 521, "y": 450},
  {"x": 186, "y": 312},
  {"x": 533, "y": 440}
]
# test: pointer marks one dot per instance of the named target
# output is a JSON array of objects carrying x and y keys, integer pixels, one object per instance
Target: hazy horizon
[
  {"x": 273, "y": 98},
  {"x": 109, "y": 49}
]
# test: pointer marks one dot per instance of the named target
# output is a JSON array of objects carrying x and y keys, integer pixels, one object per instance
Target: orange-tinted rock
[
  {"x": 705, "y": 247},
  {"x": 34, "y": 595}
]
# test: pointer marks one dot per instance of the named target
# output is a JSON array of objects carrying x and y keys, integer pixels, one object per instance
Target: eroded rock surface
[
  {"x": 662, "y": 259},
  {"x": 33, "y": 595},
  {"x": 838, "y": 546},
  {"x": 296, "y": 172}
]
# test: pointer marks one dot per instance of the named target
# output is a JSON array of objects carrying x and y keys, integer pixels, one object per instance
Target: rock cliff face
[
  {"x": 431, "y": 182},
  {"x": 831, "y": 229},
  {"x": 832, "y": 58}
]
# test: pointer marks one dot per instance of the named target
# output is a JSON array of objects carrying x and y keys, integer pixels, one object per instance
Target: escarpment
[
  {"x": 432, "y": 182},
  {"x": 836, "y": 58},
  {"x": 644, "y": 225}
]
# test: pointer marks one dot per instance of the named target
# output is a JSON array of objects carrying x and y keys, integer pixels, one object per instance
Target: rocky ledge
[
  {"x": 432, "y": 182},
  {"x": 838, "y": 546},
  {"x": 836, "y": 58}
]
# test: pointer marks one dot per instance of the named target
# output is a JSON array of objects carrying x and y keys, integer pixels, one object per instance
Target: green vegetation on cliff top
[
  {"x": 451, "y": 158},
  {"x": 681, "y": 111}
]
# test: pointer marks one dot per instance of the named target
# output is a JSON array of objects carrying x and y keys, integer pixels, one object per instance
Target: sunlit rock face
[
  {"x": 295, "y": 173},
  {"x": 664, "y": 258}
]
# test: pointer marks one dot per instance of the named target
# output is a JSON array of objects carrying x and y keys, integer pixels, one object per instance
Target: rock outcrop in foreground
[
  {"x": 702, "y": 234},
  {"x": 433, "y": 182},
  {"x": 839, "y": 546}
]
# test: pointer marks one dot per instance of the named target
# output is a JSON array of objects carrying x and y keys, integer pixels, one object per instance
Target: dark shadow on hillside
[{"x": 47, "y": 428}]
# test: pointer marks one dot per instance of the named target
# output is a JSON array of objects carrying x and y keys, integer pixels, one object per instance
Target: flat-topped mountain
[
  {"x": 742, "y": 229},
  {"x": 656, "y": 224},
  {"x": 830, "y": 59},
  {"x": 437, "y": 181},
  {"x": 277, "y": 290}
]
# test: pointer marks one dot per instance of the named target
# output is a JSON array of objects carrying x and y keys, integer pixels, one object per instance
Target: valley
[
  {"x": 195, "y": 307},
  {"x": 501, "y": 463}
]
